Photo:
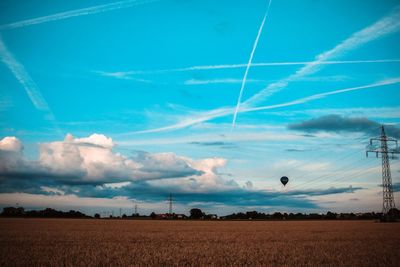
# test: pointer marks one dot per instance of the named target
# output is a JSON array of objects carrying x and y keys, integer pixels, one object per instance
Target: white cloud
[
  {"x": 95, "y": 139},
  {"x": 209, "y": 180},
  {"x": 10, "y": 143},
  {"x": 210, "y": 177},
  {"x": 10, "y": 154},
  {"x": 52, "y": 190},
  {"x": 91, "y": 160},
  {"x": 117, "y": 185}
]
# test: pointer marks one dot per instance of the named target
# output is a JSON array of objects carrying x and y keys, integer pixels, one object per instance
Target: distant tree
[
  {"x": 314, "y": 216},
  {"x": 253, "y": 215},
  {"x": 330, "y": 215},
  {"x": 46, "y": 213},
  {"x": 394, "y": 212},
  {"x": 13, "y": 212},
  {"x": 97, "y": 216},
  {"x": 277, "y": 215},
  {"x": 153, "y": 215},
  {"x": 196, "y": 214},
  {"x": 124, "y": 216}
]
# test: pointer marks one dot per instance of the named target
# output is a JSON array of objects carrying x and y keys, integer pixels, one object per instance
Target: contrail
[
  {"x": 205, "y": 116},
  {"x": 387, "y": 25},
  {"x": 222, "y": 112},
  {"x": 76, "y": 13},
  {"x": 27, "y": 83},
  {"x": 23, "y": 77},
  {"x": 216, "y": 81},
  {"x": 323, "y": 95},
  {"x": 248, "y": 66},
  {"x": 382, "y": 27},
  {"x": 125, "y": 74}
]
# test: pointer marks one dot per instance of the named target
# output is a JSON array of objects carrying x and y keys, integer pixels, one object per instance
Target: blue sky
[{"x": 105, "y": 103}]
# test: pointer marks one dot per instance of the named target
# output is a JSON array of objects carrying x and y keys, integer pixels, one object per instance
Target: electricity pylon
[{"x": 384, "y": 150}]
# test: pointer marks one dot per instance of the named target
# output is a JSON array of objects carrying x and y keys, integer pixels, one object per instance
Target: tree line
[
  {"x": 45, "y": 213},
  {"x": 198, "y": 214}
]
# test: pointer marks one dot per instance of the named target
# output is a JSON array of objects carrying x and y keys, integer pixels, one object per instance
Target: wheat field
[{"x": 76, "y": 242}]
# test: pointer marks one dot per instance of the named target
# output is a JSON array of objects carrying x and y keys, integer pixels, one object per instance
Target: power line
[
  {"x": 322, "y": 155},
  {"x": 329, "y": 175},
  {"x": 339, "y": 169}
]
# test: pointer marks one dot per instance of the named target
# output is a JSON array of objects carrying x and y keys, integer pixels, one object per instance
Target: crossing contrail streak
[
  {"x": 23, "y": 77},
  {"x": 248, "y": 66},
  {"x": 76, "y": 13},
  {"x": 383, "y": 27},
  {"x": 124, "y": 74},
  {"x": 27, "y": 83},
  {"x": 323, "y": 95},
  {"x": 222, "y": 112}
]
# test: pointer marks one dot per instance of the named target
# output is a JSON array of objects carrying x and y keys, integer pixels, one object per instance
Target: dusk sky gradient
[{"x": 104, "y": 104}]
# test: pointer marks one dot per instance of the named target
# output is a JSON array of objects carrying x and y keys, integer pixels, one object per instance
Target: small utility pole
[
  {"x": 170, "y": 205},
  {"x": 383, "y": 150}
]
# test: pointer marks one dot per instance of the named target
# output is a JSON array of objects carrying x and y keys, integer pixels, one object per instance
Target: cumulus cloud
[
  {"x": 92, "y": 160},
  {"x": 10, "y": 153},
  {"x": 94, "y": 140},
  {"x": 337, "y": 123},
  {"x": 52, "y": 191},
  {"x": 89, "y": 168},
  {"x": 210, "y": 178},
  {"x": 10, "y": 143}
]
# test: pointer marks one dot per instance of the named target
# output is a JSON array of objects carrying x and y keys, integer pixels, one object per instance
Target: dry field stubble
[{"x": 74, "y": 242}]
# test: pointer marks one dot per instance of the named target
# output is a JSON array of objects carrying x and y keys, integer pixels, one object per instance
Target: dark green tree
[{"x": 196, "y": 214}]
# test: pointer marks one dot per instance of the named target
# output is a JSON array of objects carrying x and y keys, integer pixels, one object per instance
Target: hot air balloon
[{"x": 284, "y": 180}]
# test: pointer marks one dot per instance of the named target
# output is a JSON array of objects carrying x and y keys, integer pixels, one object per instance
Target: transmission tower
[
  {"x": 170, "y": 205},
  {"x": 384, "y": 150}
]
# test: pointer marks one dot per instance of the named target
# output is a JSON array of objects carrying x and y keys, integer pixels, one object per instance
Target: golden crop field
[{"x": 76, "y": 242}]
